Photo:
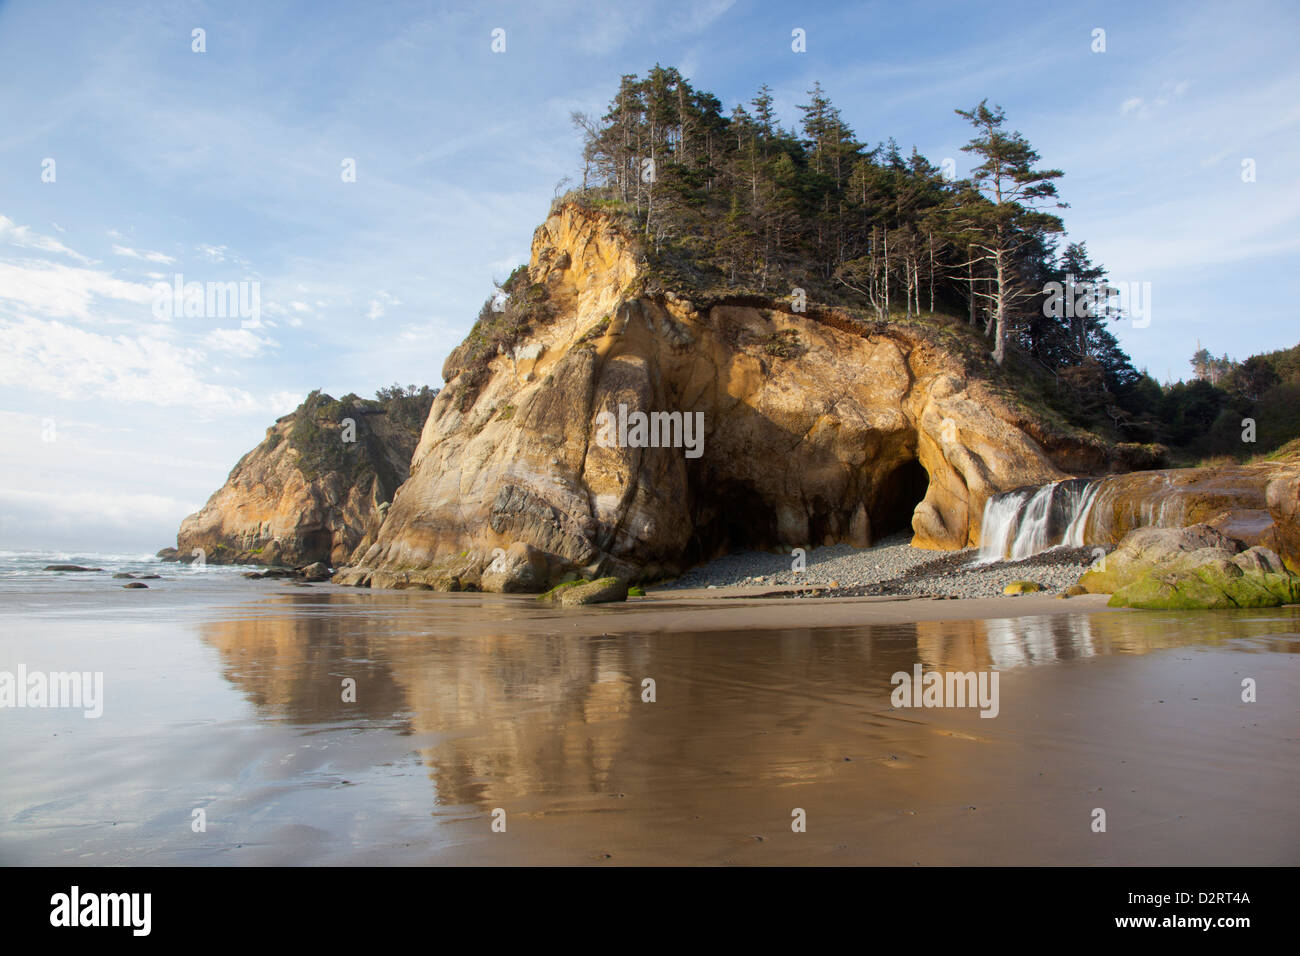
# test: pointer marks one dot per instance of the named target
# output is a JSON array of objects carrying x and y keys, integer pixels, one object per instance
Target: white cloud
[
  {"x": 1169, "y": 92},
  {"x": 281, "y": 403},
  {"x": 24, "y": 237},
  {"x": 507, "y": 265},
  {"x": 74, "y": 508},
  {"x": 380, "y": 304},
  {"x": 241, "y": 342},
  {"x": 54, "y": 289},
  {"x": 417, "y": 333},
  {"x": 62, "y": 360},
  {"x": 130, "y": 253}
]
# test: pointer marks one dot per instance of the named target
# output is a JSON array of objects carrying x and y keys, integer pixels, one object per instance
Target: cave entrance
[
  {"x": 896, "y": 499},
  {"x": 728, "y": 516}
]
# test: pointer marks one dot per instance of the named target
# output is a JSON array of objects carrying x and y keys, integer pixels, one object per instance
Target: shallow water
[{"x": 226, "y": 695}]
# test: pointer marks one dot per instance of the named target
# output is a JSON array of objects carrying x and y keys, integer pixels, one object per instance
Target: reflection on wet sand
[{"x": 745, "y": 725}]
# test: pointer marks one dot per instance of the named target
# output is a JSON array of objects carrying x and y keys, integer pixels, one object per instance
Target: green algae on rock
[{"x": 1194, "y": 568}]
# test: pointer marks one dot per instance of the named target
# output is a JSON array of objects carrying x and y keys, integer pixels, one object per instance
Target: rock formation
[
  {"x": 1191, "y": 568},
  {"x": 816, "y": 428},
  {"x": 314, "y": 487},
  {"x": 1258, "y": 503}
]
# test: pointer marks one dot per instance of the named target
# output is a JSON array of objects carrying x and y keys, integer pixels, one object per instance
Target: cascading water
[{"x": 1021, "y": 523}]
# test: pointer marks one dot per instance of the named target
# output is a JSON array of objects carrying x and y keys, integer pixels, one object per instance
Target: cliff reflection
[{"x": 504, "y": 719}]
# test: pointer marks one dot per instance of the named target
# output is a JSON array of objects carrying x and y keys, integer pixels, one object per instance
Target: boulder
[
  {"x": 579, "y": 593},
  {"x": 521, "y": 568},
  {"x": 319, "y": 571},
  {"x": 1213, "y": 583},
  {"x": 69, "y": 567},
  {"x": 1191, "y": 569},
  {"x": 1148, "y": 548},
  {"x": 1022, "y": 587}
]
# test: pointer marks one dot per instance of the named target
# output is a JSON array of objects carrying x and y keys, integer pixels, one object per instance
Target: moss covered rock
[
  {"x": 579, "y": 593},
  {"x": 1207, "y": 579},
  {"x": 1149, "y": 549},
  {"x": 1022, "y": 587}
]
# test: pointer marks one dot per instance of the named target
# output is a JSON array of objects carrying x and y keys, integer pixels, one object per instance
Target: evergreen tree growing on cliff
[{"x": 1009, "y": 220}]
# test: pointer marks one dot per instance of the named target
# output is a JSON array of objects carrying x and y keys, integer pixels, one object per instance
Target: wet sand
[{"x": 226, "y": 697}]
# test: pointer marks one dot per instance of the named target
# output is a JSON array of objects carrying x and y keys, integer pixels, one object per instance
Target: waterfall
[{"x": 1023, "y": 522}]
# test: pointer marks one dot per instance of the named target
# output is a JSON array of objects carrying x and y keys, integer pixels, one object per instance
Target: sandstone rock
[
  {"x": 1022, "y": 587},
  {"x": 69, "y": 567},
  {"x": 1213, "y": 583},
  {"x": 1191, "y": 568},
  {"x": 578, "y": 593},
  {"x": 135, "y": 584},
  {"x": 319, "y": 571},
  {"x": 601, "y": 591},
  {"x": 872, "y": 429},
  {"x": 1148, "y": 548},
  {"x": 520, "y": 569},
  {"x": 305, "y": 494},
  {"x": 1257, "y": 503},
  {"x": 1259, "y": 560},
  {"x": 271, "y": 573}
]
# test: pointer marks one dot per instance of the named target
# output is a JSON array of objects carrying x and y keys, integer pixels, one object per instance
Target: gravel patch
[{"x": 891, "y": 567}]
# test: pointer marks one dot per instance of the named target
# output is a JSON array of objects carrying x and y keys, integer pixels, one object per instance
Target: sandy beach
[{"x": 225, "y": 696}]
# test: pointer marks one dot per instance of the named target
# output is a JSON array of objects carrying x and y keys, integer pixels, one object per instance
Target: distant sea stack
[
  {"x": 816, "y": 427},
  {"x": 315, "y": 488}
]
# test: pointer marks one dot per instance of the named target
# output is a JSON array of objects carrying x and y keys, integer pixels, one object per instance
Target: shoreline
[{"x": 754, "y": 609}]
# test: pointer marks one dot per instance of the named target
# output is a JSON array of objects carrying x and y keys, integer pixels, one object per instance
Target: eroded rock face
[
  {"x": 816, "y": 429},
  {"x": 1256, "y": 503},
  {"x": 1193, "y": 568},
  {"x": 305, "y": 495},
  {"x": 1148, "y": 548}
]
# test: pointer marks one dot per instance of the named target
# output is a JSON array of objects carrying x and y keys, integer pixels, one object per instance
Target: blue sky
[{"x": 226, "y": 166}]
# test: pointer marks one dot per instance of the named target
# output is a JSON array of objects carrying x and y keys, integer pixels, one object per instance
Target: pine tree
[{"x": 1009, "y": 219}]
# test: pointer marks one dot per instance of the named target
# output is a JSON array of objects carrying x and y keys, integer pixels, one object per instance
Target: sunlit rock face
[
  {"x": 1257, "y": 503},
  {"x": 814, "y": 428},
  {"x": 283, "y": 506}
]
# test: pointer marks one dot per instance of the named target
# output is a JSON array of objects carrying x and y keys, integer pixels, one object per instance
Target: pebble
[{"x": 890, "y": 567}]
